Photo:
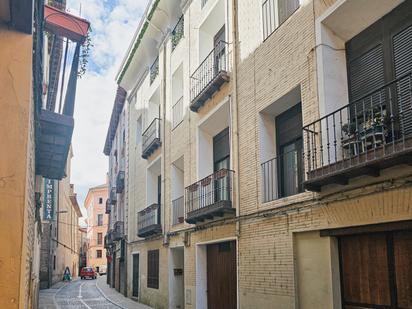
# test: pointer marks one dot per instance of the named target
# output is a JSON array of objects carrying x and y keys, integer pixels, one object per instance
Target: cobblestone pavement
[{"x": 90, "y": 294}]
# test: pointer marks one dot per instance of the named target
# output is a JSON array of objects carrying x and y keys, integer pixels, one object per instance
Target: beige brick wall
[{"x": 266, "y": 245}]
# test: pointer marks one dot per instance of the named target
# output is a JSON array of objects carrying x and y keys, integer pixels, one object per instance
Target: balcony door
[
  {"x": 221, "y": 160},
  {"x": 381, "y": 54},
  {"x": 289, "y": 148},
  {"x": 219, "y": 50}
]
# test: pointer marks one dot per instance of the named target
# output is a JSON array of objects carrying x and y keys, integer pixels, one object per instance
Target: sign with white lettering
[{"x": 49, "y": 192}]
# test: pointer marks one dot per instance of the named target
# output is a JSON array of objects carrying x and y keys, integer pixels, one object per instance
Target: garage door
[{"x": 376, "y": 270}]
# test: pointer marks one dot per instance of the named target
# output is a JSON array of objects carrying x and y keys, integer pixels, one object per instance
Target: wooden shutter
[
  {"x": 366, "y": 72},
  {"x": 402, "y": 58},
  {"x": 286, "y": 8},
  {"x": 402, "y": 242},
  {"x": 153, "y": 269},
  {"x": 289, "y": 125}
]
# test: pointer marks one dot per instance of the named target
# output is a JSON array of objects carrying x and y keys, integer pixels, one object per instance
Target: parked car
[{"x": 88, "y": 272}]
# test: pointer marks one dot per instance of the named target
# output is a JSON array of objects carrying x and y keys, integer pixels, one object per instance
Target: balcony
[
  {"x": 120, "y": 182},
  {"x": 361, "y": 138},
  {"x": 151, "y": 138},
  {"x": 52, "y": 143},
  {"x": 209, "y": 76},
  {"x": 154, "y": 70},
  {"x": 178, "y": 208},
  {"x": 113, "y": 196},
  {"x": 282, "y": 176},
  {"x": 210, "y": 197},
  {"x": 118, "y": 230},
  {"x": 108, "y": 206},
  {"x": 177, "y": 32},
  {"x": 149, "y": 221},
  {"x": 108, "y": 239}
]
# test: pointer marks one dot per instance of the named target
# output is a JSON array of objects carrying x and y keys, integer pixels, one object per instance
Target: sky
[{"x": 113, "y": 24}]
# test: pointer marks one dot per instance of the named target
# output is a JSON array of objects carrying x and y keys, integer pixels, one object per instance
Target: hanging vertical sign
[{"x": 49, "y": 187}]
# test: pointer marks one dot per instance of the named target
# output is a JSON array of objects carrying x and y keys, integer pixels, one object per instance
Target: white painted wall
[
  {"x": 177, "y": 179},
  {"x": 201, "y": 277},
  {"x": 176, "y": 283}
]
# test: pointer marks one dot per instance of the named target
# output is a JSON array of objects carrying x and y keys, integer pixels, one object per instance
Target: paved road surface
[{"x": 85, "y": 294}]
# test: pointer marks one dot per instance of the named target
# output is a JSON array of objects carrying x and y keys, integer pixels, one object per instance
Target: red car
[{"x": 88, "y": 272}]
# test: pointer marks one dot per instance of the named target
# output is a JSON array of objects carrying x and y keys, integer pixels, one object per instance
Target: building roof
[{"x": 114, "y": 119}]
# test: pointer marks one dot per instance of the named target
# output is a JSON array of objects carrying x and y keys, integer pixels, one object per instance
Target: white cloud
[{"x": 113, "y": 23}]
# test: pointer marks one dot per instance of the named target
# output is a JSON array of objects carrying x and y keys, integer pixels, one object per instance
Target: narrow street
[{"x": 80, "y": 294}]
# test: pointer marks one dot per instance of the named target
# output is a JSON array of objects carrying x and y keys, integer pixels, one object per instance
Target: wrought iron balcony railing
[
  {"x": 113, "y": 196},
  {"x": 178, "y": 32},
  {"x": 118, "y": 230},
  {"x": 120, "y": 182},
  {"x": 154, "y": 70},
  {"x": 177, "y": 112},
  {"x": 210, "y": 197},
  {"x": 209, "y": 76},
  {"x": 149, "y": 221},
  {"x": 361, "y": 138},
  {"x": 108, "y": 206},
  {"x": 151, "y": 138},
  {"x": 178, "y": 208},
  {"x": 282, "y": 176},
  {"x": 108, "y": 239}
]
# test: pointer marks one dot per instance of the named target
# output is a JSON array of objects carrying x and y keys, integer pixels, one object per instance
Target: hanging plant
[{"x": 85, "y": 53}]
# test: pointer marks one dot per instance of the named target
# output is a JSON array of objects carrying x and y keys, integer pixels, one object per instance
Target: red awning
[{"x": 65, "y": 24}]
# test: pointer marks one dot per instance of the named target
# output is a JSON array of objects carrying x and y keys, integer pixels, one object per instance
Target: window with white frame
[{"x": 275, "y": 12}]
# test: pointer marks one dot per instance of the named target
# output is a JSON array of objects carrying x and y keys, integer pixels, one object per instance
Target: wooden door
[
  {"x": 221, "y": 276},
  {"x": 376, "y": 270},
  {"x": 135, "y": 275}
]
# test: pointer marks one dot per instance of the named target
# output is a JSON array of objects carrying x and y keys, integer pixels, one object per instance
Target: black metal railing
[
  {"x": 372, "y": 127},
  {"x": 178, "y": 32},
  {"x": 120, "y": 181},
  {"x": 178, "y": 208},
  {"x": 148, "y": 216},
  {"x": 151, "y": 135},
  {"x": 118, "y": 230},
  {"x": 108, "y": 206},
  {"x": 282, "y": 176},
  {"x": 108, "y": 239},
  {"x": 215, "y": 62},
  {"x": 177, "y": 112},
  {"x": 212, "y": 189},
  {"x": 113, "y": 195},
  {"x": 154, "y": 70}
]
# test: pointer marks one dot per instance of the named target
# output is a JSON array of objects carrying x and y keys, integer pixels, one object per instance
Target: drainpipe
[
  {"x": 163, "y": 129},
  {"x": 235, "y": 131}
]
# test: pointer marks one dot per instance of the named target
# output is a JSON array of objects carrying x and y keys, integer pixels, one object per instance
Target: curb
[{"x": 107, "y": 298}]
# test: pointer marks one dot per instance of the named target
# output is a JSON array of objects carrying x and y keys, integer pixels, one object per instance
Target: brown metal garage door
[
  {"x": 221, "y": 275},
  {"x": 376, "y": 270}
]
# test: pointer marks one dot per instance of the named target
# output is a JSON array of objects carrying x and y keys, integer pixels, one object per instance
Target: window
[
  {"x": 99, "y": 219},
  {"x": 275, "y": 12},
  {"x": 100, "y": 200},
  {"x": 203, "y": 3},
  {"x": 98, "y": 254},
  {"x": 153, "y": 269},
  {"x": 99, "y": 238},
  {"x": 54, "y": 262}
]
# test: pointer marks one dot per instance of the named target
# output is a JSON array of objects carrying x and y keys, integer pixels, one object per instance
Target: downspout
[
  {"x": 235, "y": 133},
  {"x": 163, "y": 129}
]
